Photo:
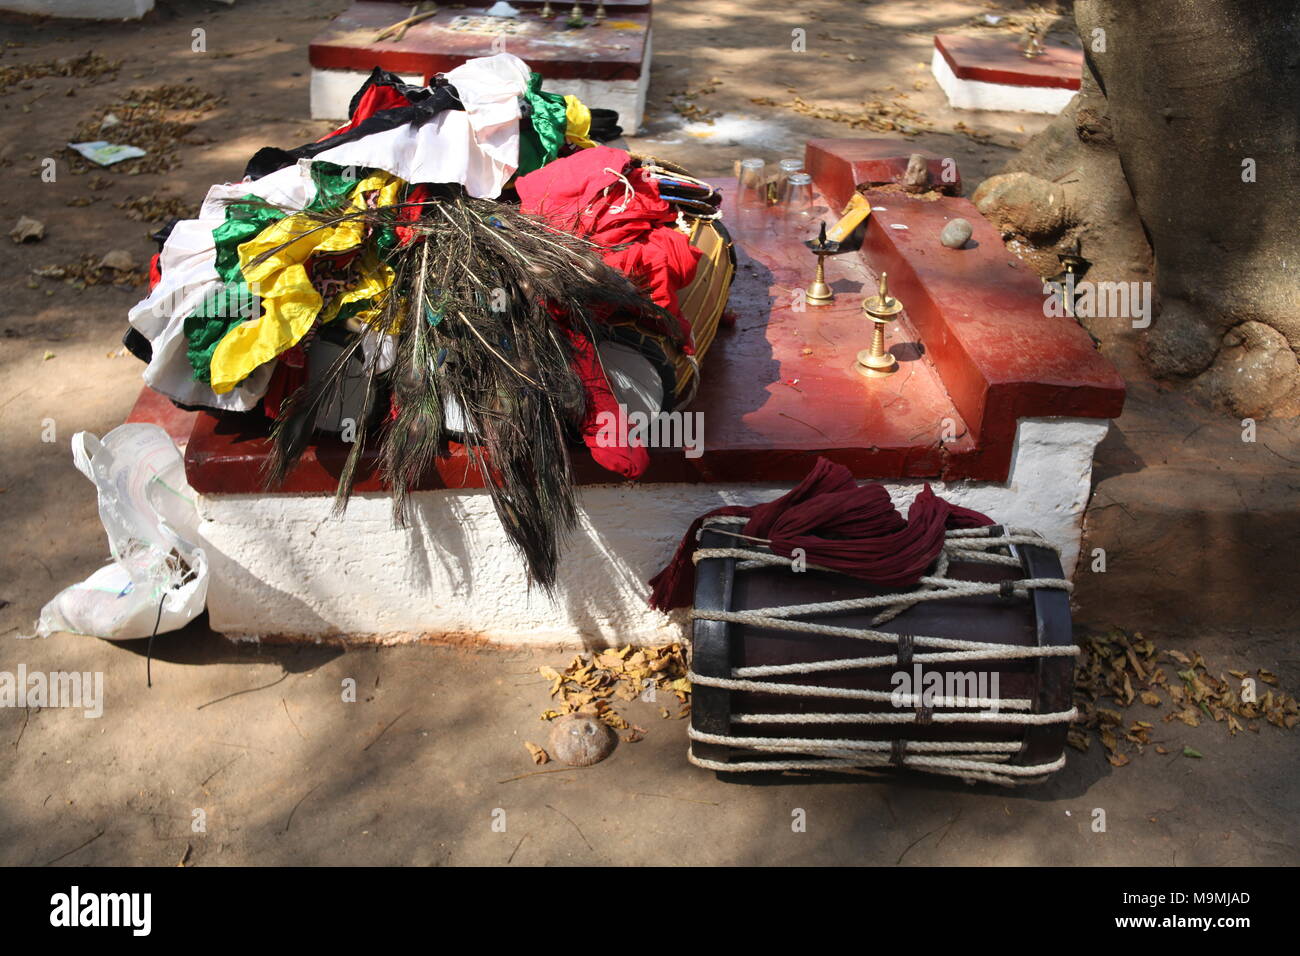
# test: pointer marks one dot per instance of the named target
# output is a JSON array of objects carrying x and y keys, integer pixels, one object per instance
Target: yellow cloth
[
  {"x": 290, "y": 305},
  {"x": 577, "y": 122}
]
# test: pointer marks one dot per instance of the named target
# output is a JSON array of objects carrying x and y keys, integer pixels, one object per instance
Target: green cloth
[
  {"x": 232, "y": 304},
  {"x": 540, "y": 140}
]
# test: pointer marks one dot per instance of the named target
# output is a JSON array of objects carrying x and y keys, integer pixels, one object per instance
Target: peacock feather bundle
[{"x": 483, "y": 310}]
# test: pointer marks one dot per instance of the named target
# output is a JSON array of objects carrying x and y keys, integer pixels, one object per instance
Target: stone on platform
[
  {"x": 1023, "y": 204},
  {"x": 956, "y": 234},
  {"x": 991, "y": 73},
  {"x": 839, "y": 166}
]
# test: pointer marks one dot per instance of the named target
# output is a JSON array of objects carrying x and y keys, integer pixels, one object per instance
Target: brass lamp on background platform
[
  {"x": 1032, "y": 45},
  {"x": 881, "y": 309}
]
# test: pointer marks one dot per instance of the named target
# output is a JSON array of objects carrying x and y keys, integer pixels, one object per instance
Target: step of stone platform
[
  {"x": 992, "y": 73},
  {"x": 997, "y": 405},
  {"x": 605, "y": 65}
]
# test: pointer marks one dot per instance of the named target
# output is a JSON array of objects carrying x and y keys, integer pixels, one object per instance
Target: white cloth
[
  {"x": 441, "y": 151},
  {"x": 189, "y": 275},
  {"x": 477, "y": 147},
  {"x": 490, "y": 88}
]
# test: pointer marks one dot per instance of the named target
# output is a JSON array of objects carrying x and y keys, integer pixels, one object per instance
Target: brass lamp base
[
  {"x": 881, "y": 309},
  {"x": 875, "y": 366},
  {"x": 819, "y": 293}
]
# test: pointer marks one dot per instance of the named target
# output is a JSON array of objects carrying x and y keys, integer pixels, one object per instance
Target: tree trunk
[{"x": 1196, "y": 105}]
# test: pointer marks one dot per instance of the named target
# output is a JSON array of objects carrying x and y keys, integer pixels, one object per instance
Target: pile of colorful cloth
[{"x": 458, "y": 264}]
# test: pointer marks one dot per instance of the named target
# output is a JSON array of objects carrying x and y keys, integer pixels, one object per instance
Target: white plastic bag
[{"x": 159, "y": 573}]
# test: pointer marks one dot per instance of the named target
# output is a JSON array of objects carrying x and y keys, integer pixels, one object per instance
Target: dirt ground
[{"x": 1198, "y": 527}]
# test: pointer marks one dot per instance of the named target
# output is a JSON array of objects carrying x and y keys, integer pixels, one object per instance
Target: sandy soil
[{"x": 1198, "y": 527}]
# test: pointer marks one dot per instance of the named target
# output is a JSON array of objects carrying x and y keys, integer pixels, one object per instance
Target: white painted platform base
[
  {"x": 978, "y": 95},
  {"x": 282, "y": 566},
  {"x": 332, "y": 91},
  {"x": 81, "y": 9}
]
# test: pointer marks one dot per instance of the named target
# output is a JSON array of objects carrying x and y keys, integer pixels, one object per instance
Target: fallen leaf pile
[
  {"x": 976, "y": 135},
  {"x": 157, "y": 208},
  {"x": 86, "y": 66},
  {"x": 90, "y": 270},
  {"x": 875, "y": 114},
  {"x": 1130, "y": 670},
  {"x": 683, "y": 102},
  {"x": 593, "y": 685},
  {"x": 95, "y": 183},
  {"x": 156, "y": 119}
]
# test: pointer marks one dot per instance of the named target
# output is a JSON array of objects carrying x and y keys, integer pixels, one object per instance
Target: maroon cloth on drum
[{"x": 851, "y": 528}]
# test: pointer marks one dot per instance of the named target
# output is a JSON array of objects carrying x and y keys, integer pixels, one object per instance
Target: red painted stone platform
[
  {"x": 998, "y": 59},
  {"x": 614, "y": 50},
  {"x": 779, "y": 386},
  {"x": 839, "y": 166},
  {"x": 156, "y": 409}
]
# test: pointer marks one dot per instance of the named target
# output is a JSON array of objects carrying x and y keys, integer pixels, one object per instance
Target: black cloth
[
  {"x": 604, "y": 125},
  {"x": 423, "y": 104}
]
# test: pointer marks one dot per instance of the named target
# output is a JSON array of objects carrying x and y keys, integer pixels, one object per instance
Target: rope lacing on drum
[{"x": 980, "y": 760}]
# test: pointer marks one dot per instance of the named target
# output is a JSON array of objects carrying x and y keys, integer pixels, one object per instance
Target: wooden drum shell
[{"x": 1040, "y": 619}]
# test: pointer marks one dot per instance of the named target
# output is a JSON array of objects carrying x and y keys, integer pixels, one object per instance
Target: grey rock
[
  {"x": 1024, "y": 204},
  {"x": 955, "y": 234},
  {"x": 1255, "y": 374},
  {"x": 1183, "y": 339}
]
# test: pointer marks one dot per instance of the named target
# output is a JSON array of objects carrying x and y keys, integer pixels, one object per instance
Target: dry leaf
[{"x": 27, "y": 229}]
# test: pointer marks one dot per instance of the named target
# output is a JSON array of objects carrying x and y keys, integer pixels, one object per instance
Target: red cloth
[
  {"x": 622, "y": 457},
  {"x": 583, "y": 194},
  {"x": 851, "y": 528},
  {"x": 412, "y": 212},
  {"x": 289, "y": 375},
  {"x": 374, "y": 100}
]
